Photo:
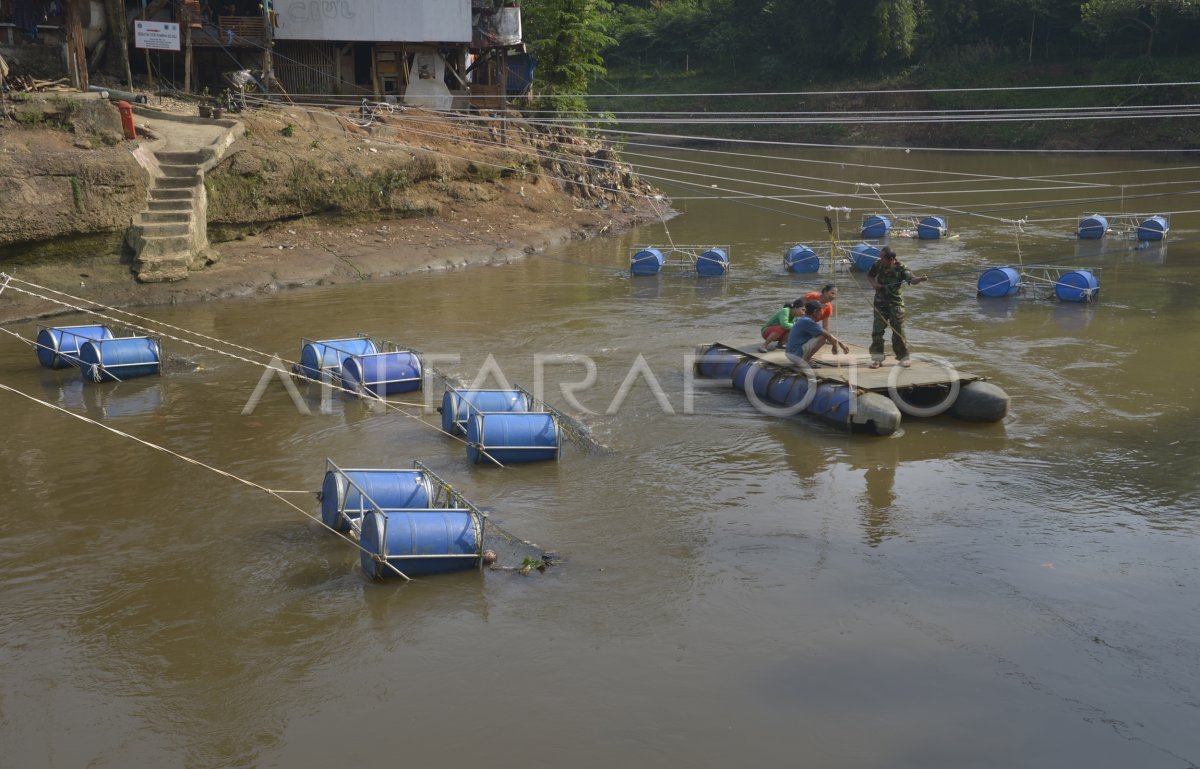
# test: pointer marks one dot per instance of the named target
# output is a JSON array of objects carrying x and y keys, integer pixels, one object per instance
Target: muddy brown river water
[{"x": 734, "y": 588}]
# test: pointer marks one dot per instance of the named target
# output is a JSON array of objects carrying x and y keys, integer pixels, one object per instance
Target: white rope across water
[
  {"x": 273, "y": 492},
  {"x": 476, "y": 124},
  {"x": 399, "y": 407}
]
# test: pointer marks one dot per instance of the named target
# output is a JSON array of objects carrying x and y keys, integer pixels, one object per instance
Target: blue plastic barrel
[
  {"x": 329, "y": 354},
  {"x": 931, "y": 228},
  {"x": 58, "y": 347},
  {"x": 1092, "y": 227},
  {"x": 717, "y": 362},
  {"x": 458, "y": 406},
  {"x": 648, "y": 261},
  {"x": 119, "y": 359},
  {"x": 801, "y": 259},
  {"x": 739, "y": 372},
  {"x": 419, "y": 542},
  {"x": 876, "y": 226},
  {"x": 712, "y": 263},
  {"x": 512, "y": 438},
  {"x": 831, "y": 403},
  {"x": 341, "y": 501},
  {"x": 999, "y": 281},
  {"x": 788, "y": 389},
  {"x": 760, "y": 377},
  {"x": 1077, "y": 286},
  {"x": 1153, "y": 228},
  {"x": 863, "y": 256},
  {"x": 384, "y": 374}
]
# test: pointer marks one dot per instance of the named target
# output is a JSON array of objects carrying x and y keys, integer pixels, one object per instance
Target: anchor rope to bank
[
  {"x": 1065, "y": 178},
  {"x": 399, "y": 406},
  {"x": 788, "y": 199},
  {"x": 411, "y": 119},
  {"x": 559, "y": 157},
  {"x": 224, "y": 473},
  {"x": 875, "y": 187}
]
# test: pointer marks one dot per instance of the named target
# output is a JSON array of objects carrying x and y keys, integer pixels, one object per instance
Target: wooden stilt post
[
  {"x": 187, "y": 51},
  {"x": 76, "y": 53}
]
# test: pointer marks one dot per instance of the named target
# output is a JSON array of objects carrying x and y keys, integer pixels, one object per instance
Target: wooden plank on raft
[{"x": 853, "y": 369}]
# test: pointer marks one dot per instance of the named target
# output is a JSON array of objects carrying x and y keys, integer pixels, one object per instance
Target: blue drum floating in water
[
  {"x": 329, "y": 354},
  {"x": 788, "y": 389},
  {"x": 343, "y": 504},
  {"x": 1000, "y": 281},
  {"x": 1092, "y": 227},
  {"x": 801, "y": 259},
  {"x": 118, "y": 359},
  {"x": 863, "y": 256},
  {"x": 876, "y": 226},
  {"x": 739, "y": 372},
  {"x": 1153, "y": 228},
  {"x": 1077, "y": 286},
  {"x": 760, "y": 377},
  {"x": 419, "y": 542},
  {"x": 384, "y": 374},
  {"x": 832, "y": 402},
  {"x": 717, "y": 363},
  {"x": 931, "y": 228},
  {"x": 458, "y": 406},
  {"x": 712, "y": 262},
  {"x": 648, "y": 261},
  {"x": 58, "y": 346},
  {"x": 511, "y": 439}
]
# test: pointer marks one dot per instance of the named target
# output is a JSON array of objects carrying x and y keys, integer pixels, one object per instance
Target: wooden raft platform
[{"x": 853, "y": 369}]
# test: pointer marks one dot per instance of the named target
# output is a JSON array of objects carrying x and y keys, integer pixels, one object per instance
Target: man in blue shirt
[{"x": 807, "y": 336}]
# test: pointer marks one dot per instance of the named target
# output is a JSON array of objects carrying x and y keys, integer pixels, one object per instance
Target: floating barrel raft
[
  {"x": 382, "y": 373},
  {"x": 1077, "y": 286},
  {"x": 712, "y": 263},
  {"x": 648, "y": 261},
  {"x": 458, "y": 406},
  {"x": 406, "y": 521},
  {"x": 876, "y": 226},
  {"x": 844, "y": 391},
  {"x": 1153, "y": 228},
  {"x": 863, "y": 256},
  {"x": 119, "y": 358},
  {"x": 409, "y": 522},
  {"x": 999, "y": 282},
  {"x": 318, "y": 356},
  {"x": 678, "y": 258},
  {"x": 58, "y": 346},
  {"x": 510, "y": 439},
  {"x": 347, "y": 495},
  {"x": 418, "y": 542},
  {"x": 931, "y": 228},
  {"x": 1092, "y": 227},
  {"x": 801, "y": 258}
]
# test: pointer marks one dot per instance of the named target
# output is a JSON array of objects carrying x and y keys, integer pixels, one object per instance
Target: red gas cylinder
[{"x": 127, "y": 119}]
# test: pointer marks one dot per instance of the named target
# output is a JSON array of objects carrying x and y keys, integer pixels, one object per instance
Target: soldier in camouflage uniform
[{"x": 887, "y": 276}]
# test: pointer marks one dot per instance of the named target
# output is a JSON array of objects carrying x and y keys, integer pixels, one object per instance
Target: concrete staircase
[{"x": 170, "y": 236}]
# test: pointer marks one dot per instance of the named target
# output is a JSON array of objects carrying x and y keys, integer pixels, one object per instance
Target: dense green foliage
[
  {"x": 567, "y": 37},
  {"x": 783, "y": 39}
]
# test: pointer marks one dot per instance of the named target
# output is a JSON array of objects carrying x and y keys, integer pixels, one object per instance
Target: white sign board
[
  {"x": 156, "y": 35},
  {"x": 380, "y": 21}
]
